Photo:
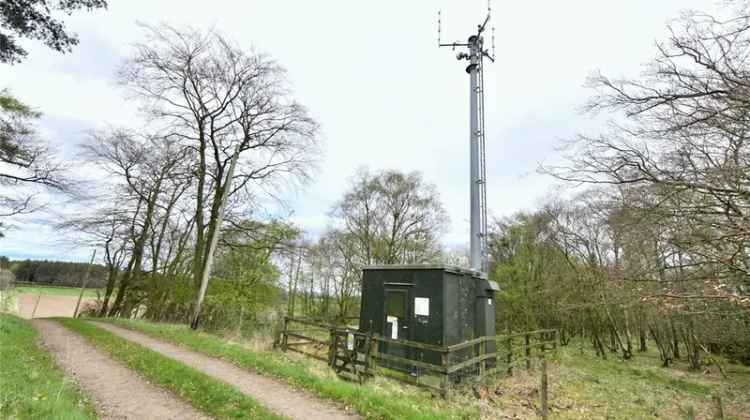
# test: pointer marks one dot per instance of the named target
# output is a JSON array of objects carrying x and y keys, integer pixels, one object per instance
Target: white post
[
  {"x": 36, "y": 305},
  {"x": 83, "y": 283}
]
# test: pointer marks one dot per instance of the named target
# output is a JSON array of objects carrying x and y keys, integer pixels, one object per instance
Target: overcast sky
[{"x": 372, "y": 75}]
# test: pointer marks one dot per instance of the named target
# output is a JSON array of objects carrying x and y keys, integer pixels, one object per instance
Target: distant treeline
[{"x": 58, "y": 273}]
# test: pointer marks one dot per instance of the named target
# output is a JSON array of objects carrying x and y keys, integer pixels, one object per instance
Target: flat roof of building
[{"x": 445, "y": 267}]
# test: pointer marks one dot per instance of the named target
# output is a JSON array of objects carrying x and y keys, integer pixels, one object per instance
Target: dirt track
[
  {"x": 275, "y": 395},
  {"x": 49, "y": 306},
  {"x": 117, "y": 392}
]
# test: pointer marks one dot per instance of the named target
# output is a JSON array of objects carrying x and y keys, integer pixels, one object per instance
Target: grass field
[
  {"x": 209, "y": 395},
  {"x": 378, "y": 399},
  {"x": 31, "y": 387},
  {"x": 581, "y": 385},
  {"x": 55, "y": 291}
]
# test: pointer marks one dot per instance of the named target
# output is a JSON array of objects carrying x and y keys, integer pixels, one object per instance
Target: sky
[{"x": 371, "y": 73}]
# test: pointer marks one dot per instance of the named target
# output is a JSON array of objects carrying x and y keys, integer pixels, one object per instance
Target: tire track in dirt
[
  {"x": 273, "y": 394},
  {"x": 117, "y": 392}
]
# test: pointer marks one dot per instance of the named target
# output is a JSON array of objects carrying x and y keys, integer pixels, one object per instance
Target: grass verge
[
  {"x": 31, "y": 386},
  {"x": 369, "y": 400},
  {"x": 209, "y": 395}
]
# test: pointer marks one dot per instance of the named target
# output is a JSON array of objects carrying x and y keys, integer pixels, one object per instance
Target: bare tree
[
  {"x": 147, "y": 166},
  {"x": 106, "y": 228},
  {"x": 392, "y": 218},
  {"x": 222, "y": 102},
  {"x": 680, "y": 143}
]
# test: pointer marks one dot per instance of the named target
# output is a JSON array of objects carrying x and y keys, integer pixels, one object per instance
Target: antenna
[
  {"x": 493, "y": 44},
  {"x": 439, "y": 28},
  {"x": 473, "y": 51}
]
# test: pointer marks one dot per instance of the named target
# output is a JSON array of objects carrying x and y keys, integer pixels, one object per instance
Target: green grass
[
  {"x": 55, "y": 291},
  {"x": 374, "y": 400},
  {"x": 585, "y": 386},
  {"x": 8, "y": 302},
  {"x": 31, "y": 386},
  {"x": 209, "y": 395}
]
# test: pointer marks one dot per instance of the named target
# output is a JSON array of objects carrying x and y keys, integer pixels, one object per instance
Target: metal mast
[{"x": 473, "y": 51}]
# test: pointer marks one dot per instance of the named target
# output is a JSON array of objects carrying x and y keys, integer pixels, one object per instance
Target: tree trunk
[
  {"x": 136, "y": 265},
  {"x": 292, "y": 287},
  {"x": 675, "y": 341},
  {"x": 642, "y": 338},
  {"x": 111, "y": 279},
  {"x": 200, "y": 226}
]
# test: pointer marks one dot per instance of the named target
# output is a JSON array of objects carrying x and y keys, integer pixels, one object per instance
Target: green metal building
[{"x": 432, "y": 304}]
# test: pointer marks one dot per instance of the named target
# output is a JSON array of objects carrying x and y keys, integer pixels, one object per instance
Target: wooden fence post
[
  {"x": 373, "y": 355},
  {"x": 482, "y": 352},
  {"x": 332, "y": 344},
  {"x": 527, "y": 350},
  {"x": 554, "y": 341},
  {"x": 718, "y": 406},
  {"x": 284, "y": 337},
  {"x": 543, "y": 389},
  {"x": 445, "y": 381}
]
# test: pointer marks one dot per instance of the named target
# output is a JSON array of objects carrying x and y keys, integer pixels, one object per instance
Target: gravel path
[
  {"x": 117, "y": 392},
  {"x": 273, "y": 394}
]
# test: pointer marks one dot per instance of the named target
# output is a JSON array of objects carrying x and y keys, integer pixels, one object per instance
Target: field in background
[
  {"x": 32, "y": 387},
  {"x": 53, "y": 301},
  {"x": 55, "y": 290}
]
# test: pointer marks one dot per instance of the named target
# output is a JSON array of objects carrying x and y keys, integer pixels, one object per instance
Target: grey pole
[
  {"x": 477, "y": 169},
  {"x": 475, "y": 58}
]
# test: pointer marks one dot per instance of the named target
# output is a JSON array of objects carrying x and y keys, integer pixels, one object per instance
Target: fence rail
[{"x": 357, "y": 355}]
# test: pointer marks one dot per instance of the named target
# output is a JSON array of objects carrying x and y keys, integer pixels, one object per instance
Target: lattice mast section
[{"x": 473, "y": 51}]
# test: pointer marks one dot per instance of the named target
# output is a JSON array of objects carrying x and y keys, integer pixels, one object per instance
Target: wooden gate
[{"x": 349, "y": 354}]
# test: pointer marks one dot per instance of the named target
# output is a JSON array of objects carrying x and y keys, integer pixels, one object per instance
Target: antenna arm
[{"x": 481, "y": 28}]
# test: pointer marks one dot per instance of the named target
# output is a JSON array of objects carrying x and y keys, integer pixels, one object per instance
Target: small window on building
[{"x": 396, "y": 304}]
